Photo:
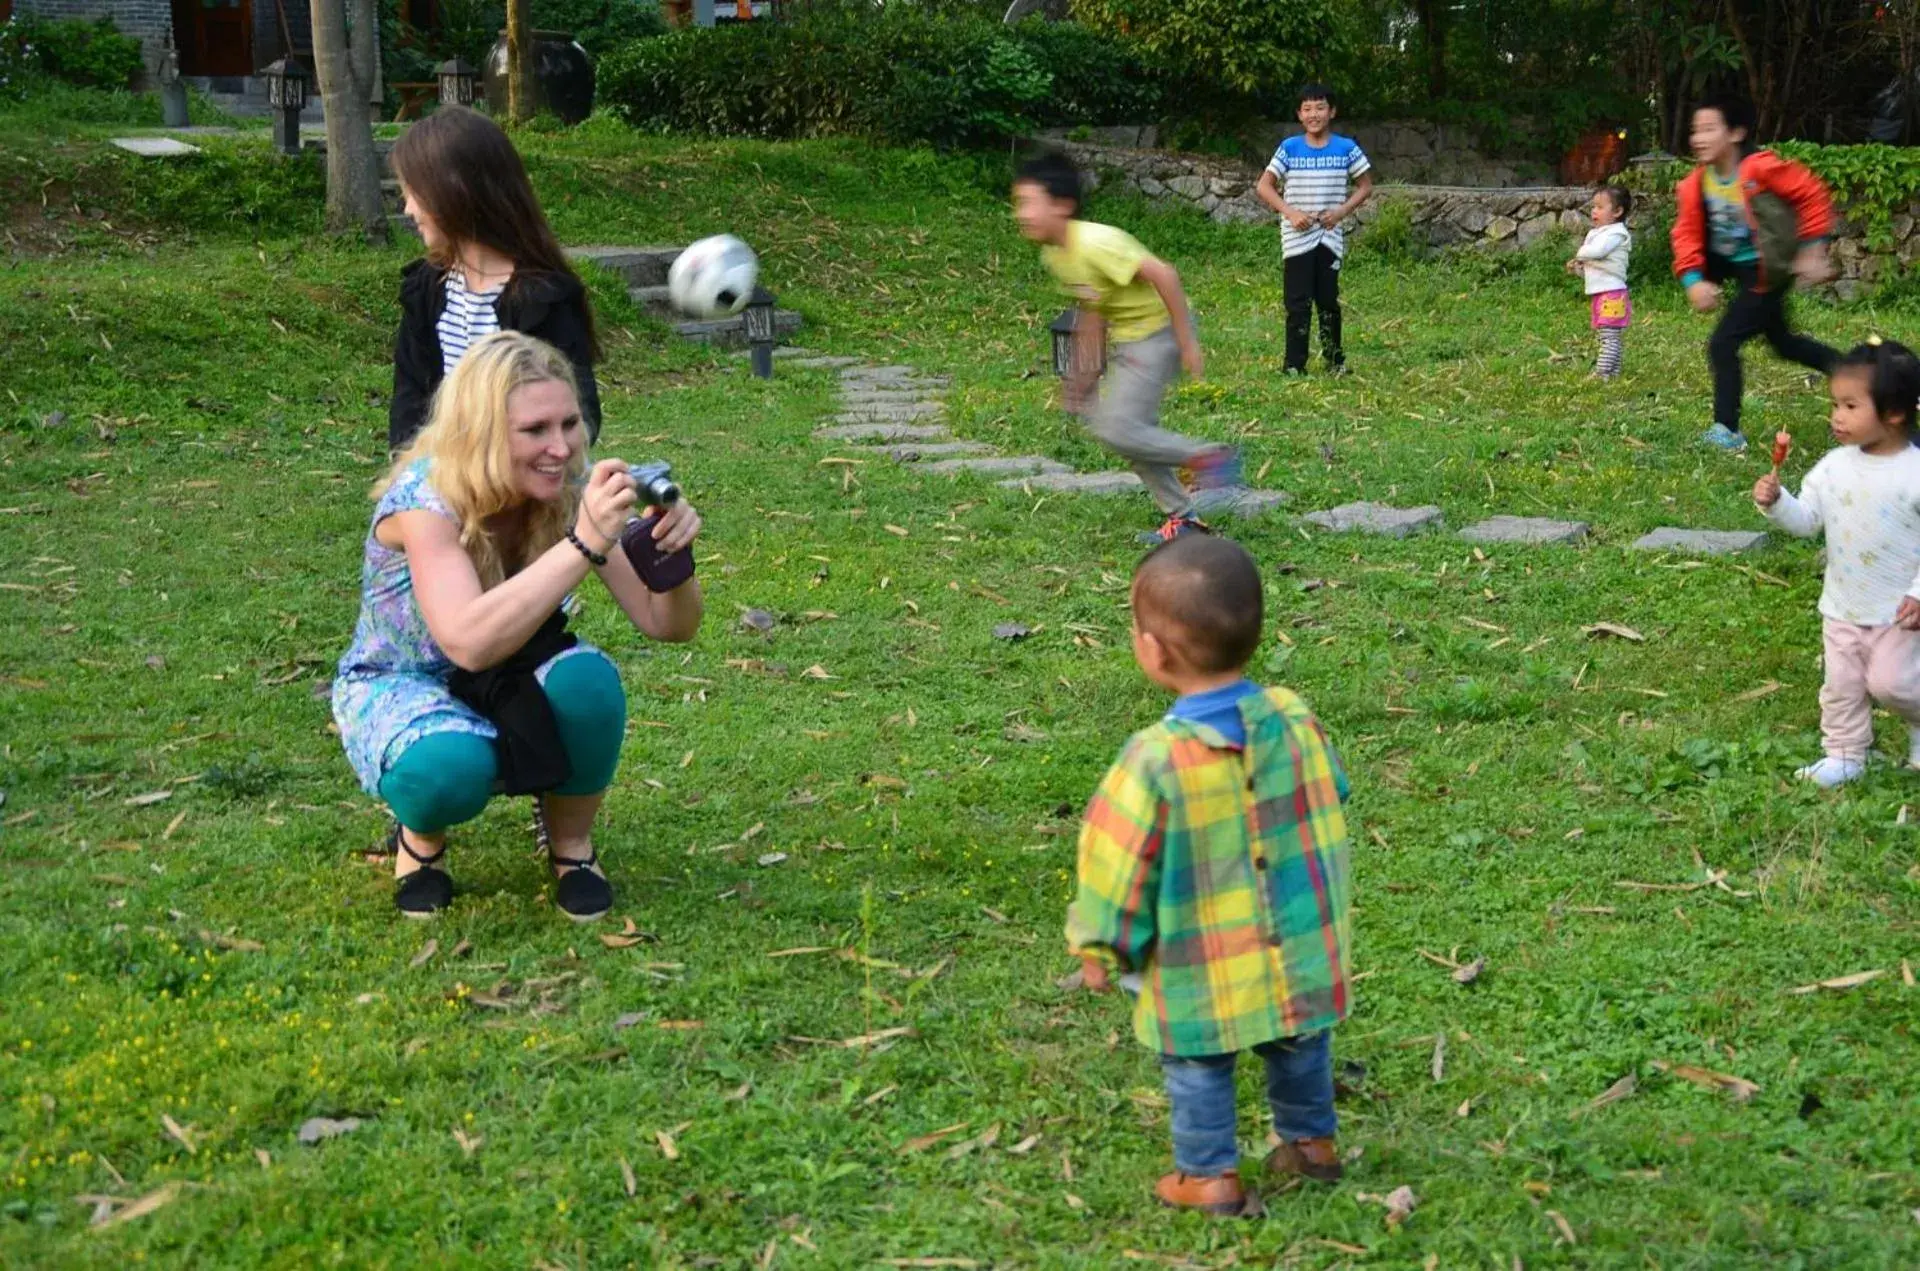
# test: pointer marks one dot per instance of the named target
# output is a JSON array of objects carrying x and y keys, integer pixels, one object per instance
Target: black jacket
[{"x": 551, "y": 307}]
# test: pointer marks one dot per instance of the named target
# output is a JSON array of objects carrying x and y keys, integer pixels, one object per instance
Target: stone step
[
  {"x": 896, "y": 414},
  {"x": 904, "y": 397},
  {"x": 1525, "y": 529},
  {"x": 875, "y": 377},
  {"x": 997, "y": 466},
  {"x": 814, "y": 361},
  {"x": 883, "y": 432},
  {"x": 657, "y": 301},
  {"x": 400, "y": 226},
  {"x": 640, "y": 266},
  {"x": 1095, "y": 483},
  {"x": 1240, "y": 501},
  {"x": 1672, "y": 538},
  {"x": 1376, "y": 518},
  {"x": 731, "y": 333},
  {"x": 915, "y": 451}
]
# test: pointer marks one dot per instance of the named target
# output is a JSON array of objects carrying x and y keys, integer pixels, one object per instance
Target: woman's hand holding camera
[
  {"x": 606, "y": 505},
  {"x": 676, "y": 527}
]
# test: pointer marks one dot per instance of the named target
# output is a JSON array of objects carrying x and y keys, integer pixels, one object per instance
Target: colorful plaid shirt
[{"x": 1220, "y": 874}]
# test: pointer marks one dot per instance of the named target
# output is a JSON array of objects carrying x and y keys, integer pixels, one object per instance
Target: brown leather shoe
[
  {"x": 1309, "y": 1158},
  {"x": 1222, "y": 1196}
]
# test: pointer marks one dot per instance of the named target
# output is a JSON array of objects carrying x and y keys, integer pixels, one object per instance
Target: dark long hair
[{"x": 466, "y": 173}]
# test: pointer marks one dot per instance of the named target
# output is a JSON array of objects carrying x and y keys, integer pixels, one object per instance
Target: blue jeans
[{"x": 1299, "y": 1091}]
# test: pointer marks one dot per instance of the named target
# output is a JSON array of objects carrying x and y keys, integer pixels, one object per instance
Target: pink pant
[{"x": 1866, "y": 665}]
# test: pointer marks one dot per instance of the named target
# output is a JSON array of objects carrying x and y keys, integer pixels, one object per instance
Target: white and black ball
[{"x": 713, "y": 278}]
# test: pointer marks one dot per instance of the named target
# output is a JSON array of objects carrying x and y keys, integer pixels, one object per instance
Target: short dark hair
[
  {"x": 1893, "y": 379},
  {"x": 1053, "y": 172},
  {"x": 1734, "y": 111},
  {"x": 1314, "y": 91},
  {"x": 1201, "y": 594},
  {"x": 1622, "y": 198}
]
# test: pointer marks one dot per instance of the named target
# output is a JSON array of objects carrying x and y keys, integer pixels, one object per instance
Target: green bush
[
  {"x": 90, "y": 54},
  {"x": 901, "y": 75}
]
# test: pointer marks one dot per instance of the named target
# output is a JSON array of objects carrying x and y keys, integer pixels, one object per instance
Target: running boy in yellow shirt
[{"x": 1127, "y": 293}]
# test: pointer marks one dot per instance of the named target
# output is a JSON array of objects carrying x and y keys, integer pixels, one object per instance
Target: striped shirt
[
  {"x": 1315, "y": 179},
  {"x": 468, "y": 316},
  {"x": 1219, "y": 873}
]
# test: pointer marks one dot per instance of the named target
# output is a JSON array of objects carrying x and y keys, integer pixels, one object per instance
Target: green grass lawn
[{"x": 190, "y": 417}]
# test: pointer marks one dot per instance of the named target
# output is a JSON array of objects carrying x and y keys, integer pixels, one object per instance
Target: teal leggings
[{"x": 446, "y": 778}]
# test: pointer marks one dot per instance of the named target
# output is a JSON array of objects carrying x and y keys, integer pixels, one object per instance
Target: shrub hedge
[{"x": 898, "y": 75}]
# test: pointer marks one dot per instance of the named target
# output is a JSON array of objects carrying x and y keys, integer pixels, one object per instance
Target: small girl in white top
[
  {"x": 1866, "y": 496},
  {"x": 1603, "y": 259}
]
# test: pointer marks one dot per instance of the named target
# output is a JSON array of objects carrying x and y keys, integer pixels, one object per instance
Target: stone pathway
[{"x": 889, "y": 411}]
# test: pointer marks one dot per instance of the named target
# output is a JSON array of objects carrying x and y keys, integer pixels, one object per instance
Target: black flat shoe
[
  {"x": 580, "y": 890},
  {"x": 427, "y": 890}
]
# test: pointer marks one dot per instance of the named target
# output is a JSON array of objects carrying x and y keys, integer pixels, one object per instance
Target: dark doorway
[{"x": 215, "y": 37}]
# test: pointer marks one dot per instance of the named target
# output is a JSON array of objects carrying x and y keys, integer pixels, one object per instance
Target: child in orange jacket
[{"x": 1750, "y": 218}]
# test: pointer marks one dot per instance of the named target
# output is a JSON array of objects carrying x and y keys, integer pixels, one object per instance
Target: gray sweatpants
[{"x": 1127, "y": 418}]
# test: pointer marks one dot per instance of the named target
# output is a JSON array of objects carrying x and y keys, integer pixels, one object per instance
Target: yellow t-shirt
[{"x": 1100, "y": 267}]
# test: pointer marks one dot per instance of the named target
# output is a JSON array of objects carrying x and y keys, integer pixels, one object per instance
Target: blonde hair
[{"x": 466, "y": 441}]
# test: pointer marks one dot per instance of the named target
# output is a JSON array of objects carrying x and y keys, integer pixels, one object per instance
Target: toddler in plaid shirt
[{"x": 1213, "y": 864}]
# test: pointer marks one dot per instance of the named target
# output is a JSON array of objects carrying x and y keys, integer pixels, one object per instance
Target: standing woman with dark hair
[{"x": 492, "y": 264}]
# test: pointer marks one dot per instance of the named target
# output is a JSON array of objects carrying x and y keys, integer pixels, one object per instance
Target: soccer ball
[{"x": 714, "y": 278}]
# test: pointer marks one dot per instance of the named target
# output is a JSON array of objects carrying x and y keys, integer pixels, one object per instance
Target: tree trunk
[
  {"x": 1433, "y": 25},
  {"x": 344, "y": 63},
  {"x": 519, "y": 47}
]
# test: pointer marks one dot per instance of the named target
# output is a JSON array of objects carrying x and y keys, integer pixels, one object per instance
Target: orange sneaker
[
  {"x": 1308, "y": 1158},
  {"x": 1222, "y": 1195}
]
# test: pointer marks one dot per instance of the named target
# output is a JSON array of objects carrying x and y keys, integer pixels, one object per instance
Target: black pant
[
  {"x": 1748, "y": 314},
  {"x": 1313, "y": 281}
]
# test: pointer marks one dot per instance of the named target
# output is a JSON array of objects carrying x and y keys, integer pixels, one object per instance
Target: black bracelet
[{"x": 585, "y": 551}]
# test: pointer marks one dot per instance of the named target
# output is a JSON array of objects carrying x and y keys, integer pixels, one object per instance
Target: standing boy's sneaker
[
  {"x": 1326, "y": 177},
  {"x": 1223, "y": 1196},
  {"x": 1725, "y": 439}
]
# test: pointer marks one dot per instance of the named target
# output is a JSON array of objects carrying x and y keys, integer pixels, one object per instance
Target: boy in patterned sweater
[
  {"x": 1213, "y": 865},
  {"x": 1327, "y": 178}
]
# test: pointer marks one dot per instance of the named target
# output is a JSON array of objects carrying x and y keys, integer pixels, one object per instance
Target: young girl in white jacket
[
  {"x": 1602, "y": 258},
  {"x": 1865, "y": 495}
]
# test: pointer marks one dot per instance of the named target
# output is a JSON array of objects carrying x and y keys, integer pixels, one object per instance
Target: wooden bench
[{"x": 413, "y": 97}]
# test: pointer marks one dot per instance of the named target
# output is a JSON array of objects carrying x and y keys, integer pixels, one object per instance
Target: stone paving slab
[
  {"x": 1376, "y": 518},
  {"x": 884, "y": 432},
  {"x": 814, "y": 361},
  {"x": 155, "y": 147},
  {"x": 890, "y": 377},
  {"x": 1079, "y": 483},
  {"x": 1672, "y": 538},
  {"x": 1237, "y": 502},
  {"x": 886, "y": 397},
  {"x": 1001, "y": 466},
  {"x": 899, "y": 414},
  {"x": 914, "y": 452},
  {"x": 1525, "y": 529}
]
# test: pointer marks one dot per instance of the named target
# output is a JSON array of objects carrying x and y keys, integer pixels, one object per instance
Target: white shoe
[
  {"x": 1913, "y": 747},
  {"x": 1832, "y": 771}
]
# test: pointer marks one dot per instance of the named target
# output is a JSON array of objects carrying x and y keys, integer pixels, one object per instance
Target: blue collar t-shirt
[{"x": 1218, "y": 708}]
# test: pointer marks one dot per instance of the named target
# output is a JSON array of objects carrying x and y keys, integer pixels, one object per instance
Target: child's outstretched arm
[
  {"x": 1111, "y": 921},
  {"x": 1801, "y": 517},
  {"x": 1165, "y": 279}
]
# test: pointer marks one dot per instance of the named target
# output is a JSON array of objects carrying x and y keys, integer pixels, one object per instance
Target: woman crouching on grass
[{"x": 462, "y": 681}]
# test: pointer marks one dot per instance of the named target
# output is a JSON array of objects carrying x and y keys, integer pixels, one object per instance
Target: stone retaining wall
[{"x": 1451, "y": 216}]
